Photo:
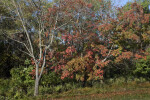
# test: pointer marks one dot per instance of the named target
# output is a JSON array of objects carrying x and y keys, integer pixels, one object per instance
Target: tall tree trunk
[{"x": 36, "y": 90}]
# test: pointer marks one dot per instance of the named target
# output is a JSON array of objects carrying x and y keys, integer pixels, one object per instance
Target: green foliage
[
  {"x": 143, "y": 68},
  {"x": 145, "y": 4},
  {"x": 8, "y": 56},
  {"x": 21, "y": 81},
  {"x": 4, "y": 87},
  {"x": 50, "y": 78},
  {"x": 21, "y": 76},
  {"x": 27, "y": 62},
  {"x": 58, "y": 88},
  {"x": 121, "y": 69},
  {"x": 46, "y": 90},
  {"x": 5, "y": 23}
]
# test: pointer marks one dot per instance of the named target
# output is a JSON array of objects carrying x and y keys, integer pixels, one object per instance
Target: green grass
[
  {"x": 124, "y": 91},
  {"x": 119, "y": 90}
]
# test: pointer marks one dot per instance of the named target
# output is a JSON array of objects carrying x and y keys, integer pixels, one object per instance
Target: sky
[
  {"x": 120, "y": 3},
  {"x": 117, "y": 2}
]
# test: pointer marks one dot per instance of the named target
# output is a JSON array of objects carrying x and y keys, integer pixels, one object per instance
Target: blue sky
[
  {"x": 117, "y": 2},
  {"x": 120, "y": 2}
]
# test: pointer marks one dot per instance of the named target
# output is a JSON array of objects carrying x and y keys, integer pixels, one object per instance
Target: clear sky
[{"x": 120, "y": 2}]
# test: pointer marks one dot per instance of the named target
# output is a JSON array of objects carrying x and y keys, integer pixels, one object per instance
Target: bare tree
[
  {"x": 29, "y": 46},
  {"x": 44, "y": 42}
]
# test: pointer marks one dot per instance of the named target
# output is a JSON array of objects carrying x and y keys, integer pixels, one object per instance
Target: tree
[
  {"x": 31, "y": 17},
  {"x": 85, "y": 52},
  {"x": 145, "y": 4},
  {"x": 89, "y": 36},
  {"x": 8, "y": 54},
  {"x": 129, "y": 32}
]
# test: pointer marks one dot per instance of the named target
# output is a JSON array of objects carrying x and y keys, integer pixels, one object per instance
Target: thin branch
[
  {"x": 5, "y": 17},
  {"x": 62, "y": 25},
  {"x": 108, "y": 54},
  {"x": 24, "y": 27},
  {"x": 19, "y": 42},
  {"x": 53, "y": 32},
  {"x": 43, "y": 65},
  {"x": 41, "y": 29},
  {"x": 35, "y": 4},
  {"x": 40, "y": 40},
  {"x": 25, "y": 52}
]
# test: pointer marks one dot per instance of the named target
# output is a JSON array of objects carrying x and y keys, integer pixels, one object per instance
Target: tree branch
[
  {"x": 108, "y": 54},
  {"x": 23, "y": 24},
  {"x": 20, "y": 43}
]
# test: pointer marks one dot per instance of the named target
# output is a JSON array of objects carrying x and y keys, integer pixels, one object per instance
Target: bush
[
  {"x": 50, "y": 79},
  {"x": 4, "y": 88},
  {"x": 21, "y": 76},
  {"x": 143, "y": 68},
  {"x": 122, "y": 69},
  {"x": 45, "y": 90},
  {"x": 21, "y": 81}
]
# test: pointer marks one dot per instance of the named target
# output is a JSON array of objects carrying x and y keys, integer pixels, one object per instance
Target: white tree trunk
[{"x": 36, "y": 90}]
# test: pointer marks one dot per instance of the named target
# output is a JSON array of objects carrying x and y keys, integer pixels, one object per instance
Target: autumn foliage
[{"x": 90, "y": 41}]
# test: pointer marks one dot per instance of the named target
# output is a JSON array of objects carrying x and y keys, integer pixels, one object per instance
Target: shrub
[
  {"x": 50, "y": 79},
  {"x": 143, "y": 68},
  {"x": 4, "y": 88},
  {"x": 21, "y": 81}
]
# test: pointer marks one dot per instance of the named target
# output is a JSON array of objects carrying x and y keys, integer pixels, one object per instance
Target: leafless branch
[
  {"x": 108, "y": 54},
  {"x": 25, "y": 52},
  {"x": 43, "y": 65},
  {"x": 23, "y": 24},
  {"x": 20, "y": 43}
]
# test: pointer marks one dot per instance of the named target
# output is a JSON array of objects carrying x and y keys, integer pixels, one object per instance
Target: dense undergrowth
[
  {"x": 21, "y": 84},
  {"x": 71, "y": 89}
]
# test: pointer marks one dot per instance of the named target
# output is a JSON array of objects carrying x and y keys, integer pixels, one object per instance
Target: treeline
[{"x": 50, "y": 47}]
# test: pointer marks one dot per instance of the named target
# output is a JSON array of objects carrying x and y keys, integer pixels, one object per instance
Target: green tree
[
  {"x": 8, "y": 54},
  {"x": 129, "y": 32},
  {"x": 145, "y": 4}
]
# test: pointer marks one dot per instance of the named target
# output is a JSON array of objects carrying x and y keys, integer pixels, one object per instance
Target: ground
[{"x": 132, "y": 91}]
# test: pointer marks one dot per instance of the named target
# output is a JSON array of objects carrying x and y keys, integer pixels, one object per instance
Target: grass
[
  {"x": 124, "y": 91},
  {"x": 141, "y": 96},
  {"x": 118, "y": 90}
]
